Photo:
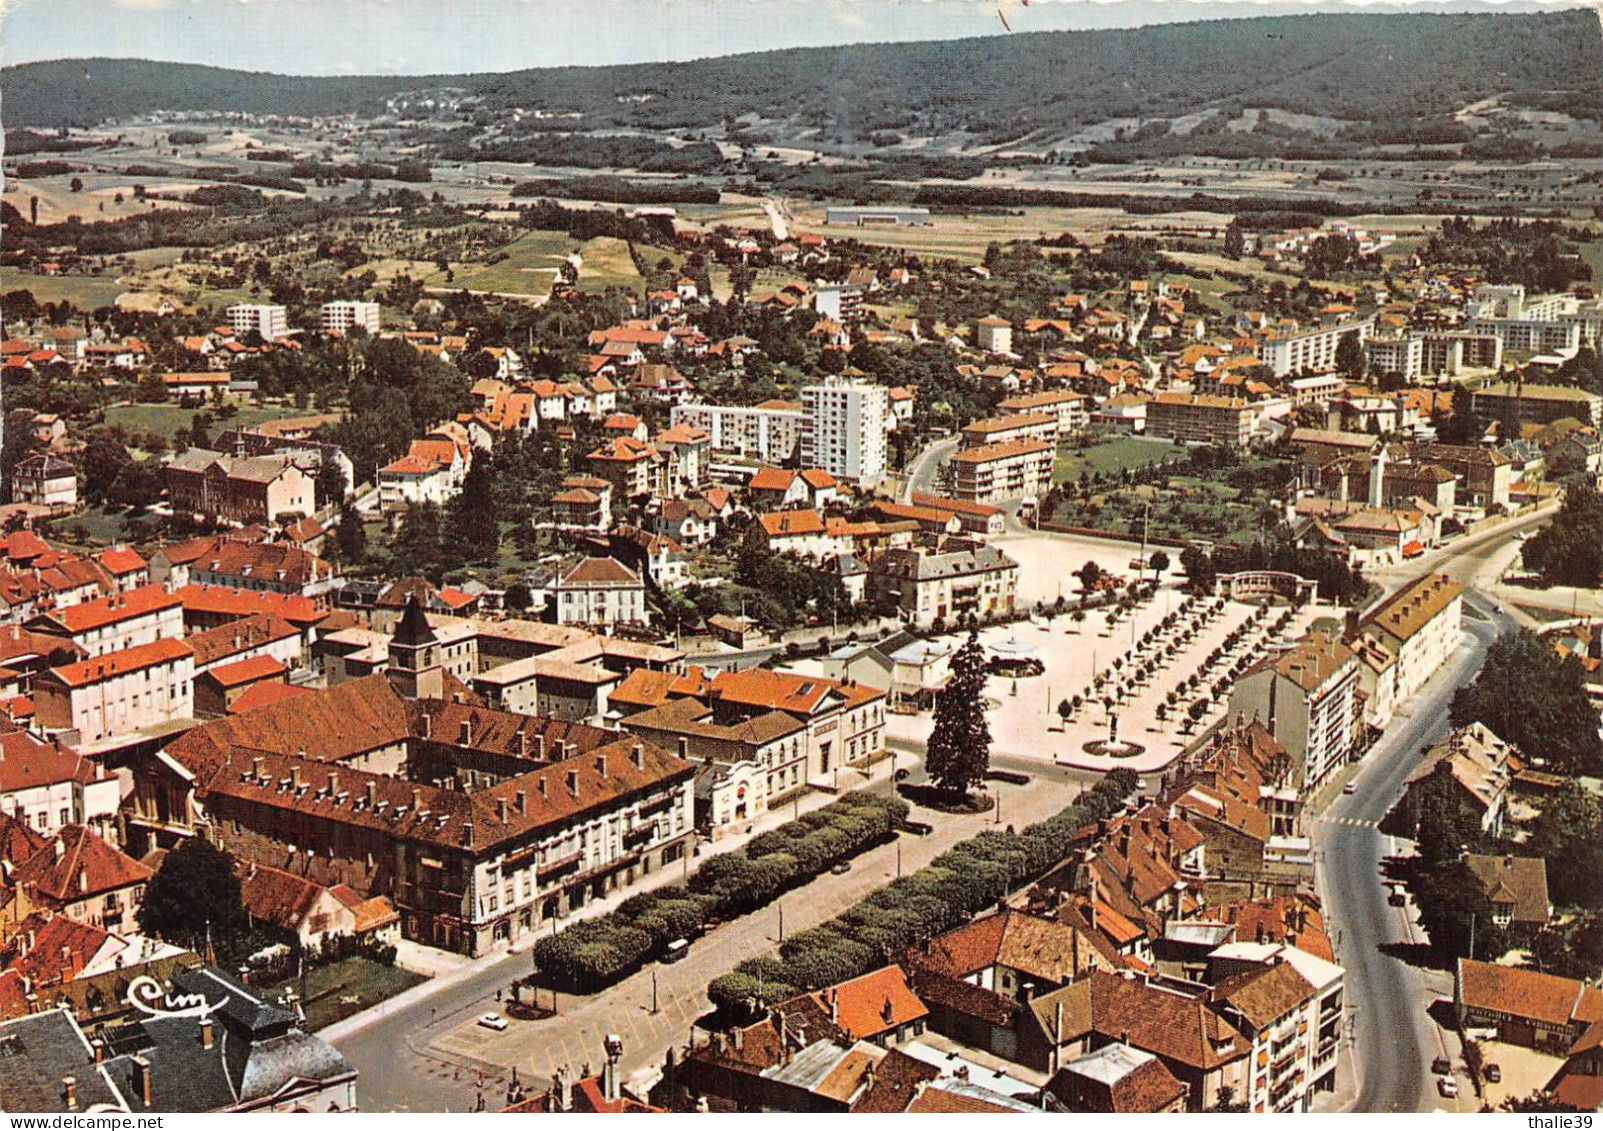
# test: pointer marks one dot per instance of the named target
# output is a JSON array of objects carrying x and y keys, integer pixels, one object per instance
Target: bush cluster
[
  {"x": 957, "y": 884},
  {"x": 598, "y": 952}
]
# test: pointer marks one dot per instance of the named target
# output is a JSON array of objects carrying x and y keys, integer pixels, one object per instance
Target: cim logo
[{"x": 147, "y": 996}]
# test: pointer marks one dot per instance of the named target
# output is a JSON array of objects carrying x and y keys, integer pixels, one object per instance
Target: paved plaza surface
[{"x": 1024, "y": 717}]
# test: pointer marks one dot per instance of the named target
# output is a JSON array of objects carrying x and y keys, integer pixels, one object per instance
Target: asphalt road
[
  {"x": 922, "y": 475},
  {"x": 1387, "y": 998}
]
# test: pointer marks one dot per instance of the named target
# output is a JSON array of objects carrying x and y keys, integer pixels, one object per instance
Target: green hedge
[
  {"x": 598, "y": 952},
  {"x": 961, "y": 881}
]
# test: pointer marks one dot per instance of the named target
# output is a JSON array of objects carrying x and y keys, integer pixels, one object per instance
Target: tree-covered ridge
[{"x": 1359, "y": 67}]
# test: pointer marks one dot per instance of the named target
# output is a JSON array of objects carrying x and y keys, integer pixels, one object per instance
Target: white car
[
  {"x": 1448, "y": 1087},
  {"x": 493, "y": 1021}
]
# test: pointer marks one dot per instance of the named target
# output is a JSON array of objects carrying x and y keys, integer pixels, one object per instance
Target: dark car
[
  {"x": 903, "y": 774},
  {"x": 1493, "y": 1074},
  {"x": 918, "y": 828},
  {"x": 1397, "y": 899},
  {"x": 1441, "y": 1066}
]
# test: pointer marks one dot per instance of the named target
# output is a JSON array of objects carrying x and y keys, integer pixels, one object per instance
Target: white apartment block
[
  {"x": 1310, "y": 351},
  {"x": 993, "y": 473},
  {"x": 1420, "y": 626},
  {"x": 1401, "y": 357},
  {"x": 1448, "y": 352},
  {"x": 770, "y": 434},
  {"x": 1306, "y": 697},
  {"x": 271, "y": 322},
  {"x": 843, "y": 429},
  {"x": 341, "y": 317},
  {"x": 118, "y": 695},
  {"x": 1531, "y": 336}
]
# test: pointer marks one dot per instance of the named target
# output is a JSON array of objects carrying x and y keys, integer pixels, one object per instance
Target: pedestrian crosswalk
[{"x": 1350, "y": 822}]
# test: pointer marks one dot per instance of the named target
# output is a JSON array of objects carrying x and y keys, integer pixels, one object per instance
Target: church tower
[{"x": 414, "y": 669}]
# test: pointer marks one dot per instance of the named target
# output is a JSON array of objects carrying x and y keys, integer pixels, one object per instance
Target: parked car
[
  {"x": 493, "y": 1021},
  {"x": 1350, "y": 788},
  {"x": 841, "y": 867},
  {"x": 1493, "y": 1073},
  {"x": 1447, "y": 1086},
  {"x": 676, "y": 950},
  {"x": 918, "y": 828},
  {"x": 1441, "y": 1066},
  {"x": 1397, "y": 899}
]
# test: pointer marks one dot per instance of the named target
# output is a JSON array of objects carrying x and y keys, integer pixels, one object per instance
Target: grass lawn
[
  {"x": 607, "y": 264},
  {"x": 86, "y": 292},
  {"x": 336, "y": 991},
  {"x": 529, "y": 267},
  {"x": 1112, "y": 455}
]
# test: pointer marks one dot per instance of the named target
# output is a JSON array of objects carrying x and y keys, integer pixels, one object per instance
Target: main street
[
  {"x": 1394, "y": 1039},
  {"x": 427, "y": 1052}
]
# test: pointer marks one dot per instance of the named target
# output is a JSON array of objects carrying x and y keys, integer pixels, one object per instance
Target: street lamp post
[{"x": 781, "y": 907}]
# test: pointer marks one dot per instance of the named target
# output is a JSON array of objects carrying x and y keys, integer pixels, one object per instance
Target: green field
[
  {"x": 531, "y": 264},
  {"x": 83, "y": 291},
  {"x": 165, "y": 419},
  {"x": 1112, "y": 455}
]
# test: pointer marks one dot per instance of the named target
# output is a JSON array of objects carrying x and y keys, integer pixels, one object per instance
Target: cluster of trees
[
  {"x": 1569, "y": 551},
  {"x": 1540, "y": 254},
  {"x": 1536, "y": 699},
  {"x": 1337, "y": 580},
  {"x": 618, "y": 190},
  {"x": 593, "y": 954},
  {"x": 957, "y": 885},
  {"x": 591, "y": 151}
]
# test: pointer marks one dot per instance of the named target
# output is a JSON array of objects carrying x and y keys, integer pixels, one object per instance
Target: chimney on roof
[
  {"x": 61, "y": 849},
  {"x": 256, "y": 768},
  {"x": 541, "y": 783},
  {"x": 601, "y": 765},
  {"x": 501, "y": 809},
  {"x": 141, "y": 1068},
  {"x": 206, "y": 1032},
  {"x": 637, "y": 755},
  {"x": 523, "y": 743},
  {"x": 520, "y": 802},
  {"x": 417, "y": 799},
  {"x": 333, "y": 782},
  {"x": 573, "y": 782},
  {"x": 834, "y": 1004},
  {"x": 99, "y": 1048},
  {"x": 428, "y": 724},
  {"x": 539, "y": 746},
  {"x": 684, "y": 748},
  {"x": 69, "y": 1092},
  {"x": 372, "y": 794},
  {"x": 467, "y": 731},
  {"x": 467, "y": 834},
  {"x": 295, "y": 778}
]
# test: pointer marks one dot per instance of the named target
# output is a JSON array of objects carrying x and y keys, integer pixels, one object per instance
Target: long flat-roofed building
[{"x": 992, "y": 473}]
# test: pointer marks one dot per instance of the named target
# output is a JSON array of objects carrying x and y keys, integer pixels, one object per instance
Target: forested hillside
[{"x": 1359, "y": 68}]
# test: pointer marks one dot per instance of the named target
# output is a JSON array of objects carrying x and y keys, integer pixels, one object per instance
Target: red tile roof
[
  {"x": 266, "y": 695},
  {"x": 128, "y": 660},
  {"x": 77, "y": 865},
  {"x": 118, "y": 607}
]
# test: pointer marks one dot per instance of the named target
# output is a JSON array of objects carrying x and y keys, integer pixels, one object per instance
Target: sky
[{"x": 332, "y": 37}]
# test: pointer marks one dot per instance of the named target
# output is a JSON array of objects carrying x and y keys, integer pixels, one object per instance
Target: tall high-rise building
[{"x": 843, "y": 429}]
